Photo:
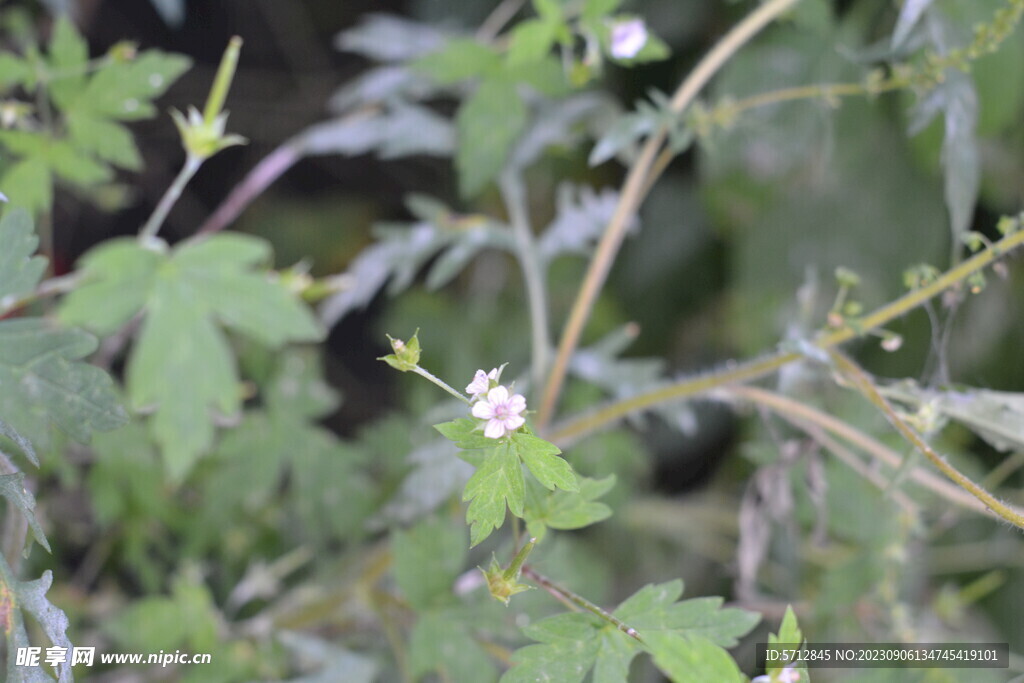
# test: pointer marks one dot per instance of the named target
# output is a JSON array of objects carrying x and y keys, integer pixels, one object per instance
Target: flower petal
[
  {"x": 494, "y": 429},
  {"x": 517, "y": 404},
  {"x": 478, "y": 385},
  {"x": 498, "y": 395},
  {"x": 513, "y": 422},
  {"x": 483, "y": 410}
]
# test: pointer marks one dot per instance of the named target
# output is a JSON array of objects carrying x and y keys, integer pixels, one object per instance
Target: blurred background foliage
[{"x": 320, "y": 537}]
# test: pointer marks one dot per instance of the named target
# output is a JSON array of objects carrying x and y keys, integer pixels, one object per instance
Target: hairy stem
[
  {"x": 568, "y": 597},
  {"x": 802, "y": 415},
  {"x": 733, "y": 373},
  {"x": 865, "y": 386},
  {"x": 640, "y": 177}
]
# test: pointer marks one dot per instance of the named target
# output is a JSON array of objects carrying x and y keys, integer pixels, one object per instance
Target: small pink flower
[
  {"x": 501, "y": 412},
  {"x": 628, "y": 38},
  {"x": 788, "y": 675},
  {"x": 481, "y": 383}
]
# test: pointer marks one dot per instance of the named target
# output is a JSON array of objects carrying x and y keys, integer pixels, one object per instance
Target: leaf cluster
[{"x": 69, "y": 126}]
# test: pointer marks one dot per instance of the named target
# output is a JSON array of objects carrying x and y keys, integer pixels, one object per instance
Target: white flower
[
  {"x": 628, "y": 38},
  {"x": 481, "y": 383},
  {"x": 501, "y": 412}
]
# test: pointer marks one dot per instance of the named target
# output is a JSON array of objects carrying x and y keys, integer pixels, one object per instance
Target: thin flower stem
[
  {"x": 441, "y": 383},
  {"x": 735, "y": 373},
  {"x": 567, "y": 596},
  {"x": 156, "y": 220},
  {"x": 641, "y": 176},
  {"x": 514, "y": 195},
  {"x": 865, "y": 386}
]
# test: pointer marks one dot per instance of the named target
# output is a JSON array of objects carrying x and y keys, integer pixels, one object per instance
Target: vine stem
[
  {"x": 641, "y": 176},
  {"x": 734, "y": 373},
  {"x": 514, "y": 195},
  {"x": 152, "y": 226},
  {"x": 862, "y": 382},
  {"x": 566, "y": 596}
]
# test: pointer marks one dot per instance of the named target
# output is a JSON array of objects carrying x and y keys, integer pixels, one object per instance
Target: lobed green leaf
[
  {"x": 465, "y": 433},
  {"x": 541, "y": 457},
  {"x": 496, "y": 483},
  {"x": 20, "y": 271},
  {"x": 44, "y": 382},
  {"x": 487, "y": 124},
  {"x": 12, "y": 488}
]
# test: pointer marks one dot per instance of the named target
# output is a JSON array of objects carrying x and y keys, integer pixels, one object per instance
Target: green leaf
[
  {"x": 789, "y": 633},
  {"x": 961, "y": 159},
  {"x": 68, "y": 54},
  {"x": 680, "y": 635},
  {"x": 182, "y": 366},
  {"x": 531, "y": 41},
  {"x": 13, "y": 70},
  {"x": 44, "y": 382},
  {"x": 581, "y": 219},
  {"x": 125, "y": 90},
  {"x": 442, "y": 642},
  {"x": 621, "y": 138},
  {"x": 126, "y": 483},
  {"x": 565, "y": 510},
  {"x": 20, "y": 271},
  {"x": 298, "y": 388},
  {"x": 219, "y": 271},
  {"x": 568, "y": 651},
  {"x": 427, "y": 559},
  {"x": 459, "y": 60},
  {"x": 107, "y": 140},
  {"x": 541, "y": 457},
  {"x": 499, "y": 480},
  {"x": 910, "y": 13},
  {"x": 654, "y": 607},
  {"x": 402, "y": 251},
  {"x": 118, "y": 278},
  {"x": 594, "y": 10},
  {"x": 546, "y": 76},
  {"x": 387, "y": 38},
  {"x": 12, "y": 488},
  {"x": 71, "y": 164},
  {"x": 187, "y": 618},
  {"x": 692, "y": 659},
  {"x": 27, "y": 183},
  {"x": 995, "y": 416},
  {"x": 17, "y": 597},
  {"x": 465, "y": 433},
  {"x": 24, "y": 444},
  {"x": 487, "y": 124}
]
